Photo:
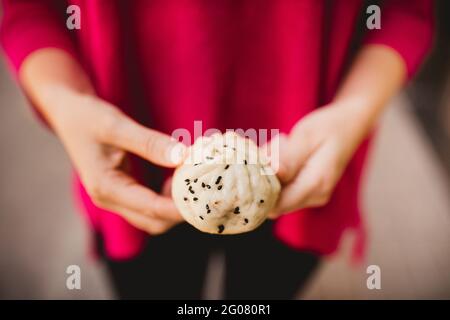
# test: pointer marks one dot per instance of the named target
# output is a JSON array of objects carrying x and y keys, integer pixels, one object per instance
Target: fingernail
[{"x": 177, "y": 153}]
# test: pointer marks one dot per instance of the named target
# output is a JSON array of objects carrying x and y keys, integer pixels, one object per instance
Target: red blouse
[{"x": 232, "y": 64}]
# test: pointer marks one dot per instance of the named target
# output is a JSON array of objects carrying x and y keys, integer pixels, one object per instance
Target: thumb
[
  {"x": 278, "y": 148},
  {"x": 294, "y": 152},
  {"x": 149, "y": 144}
]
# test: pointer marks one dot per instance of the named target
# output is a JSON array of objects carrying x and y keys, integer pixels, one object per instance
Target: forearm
[
  {"x": 376, "y": 75},
  {"x": 52, "y": 78}
]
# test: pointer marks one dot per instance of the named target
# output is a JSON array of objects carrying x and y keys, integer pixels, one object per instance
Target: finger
[
  {"x": 278, "y": 148},
  {"x": 292, "y": 197},
  {"x": 138, "y": 220},
  {"x": 152, "y": 226},
  {"x": 312, "y": 185},
  {"x": 292, "y": 155},
  {"x": 298, "y": 151},
  {"x": 123, "y": 191},
  {"x": 273, "y": 215},
  {"x": 154, "y": 146}
]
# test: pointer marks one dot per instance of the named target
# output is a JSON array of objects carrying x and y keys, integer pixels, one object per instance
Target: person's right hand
[{"x": 97, "y": 137}]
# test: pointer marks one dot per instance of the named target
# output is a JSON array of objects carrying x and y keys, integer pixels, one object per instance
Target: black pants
[{"x": 173, "y": 266}]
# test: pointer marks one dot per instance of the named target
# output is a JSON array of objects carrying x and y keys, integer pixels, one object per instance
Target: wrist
[{"x": 357, "y": 114}]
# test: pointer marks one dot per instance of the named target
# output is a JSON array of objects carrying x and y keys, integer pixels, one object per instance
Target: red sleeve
[
  {"x": 29, "y": 25},
  {"x": 407, "y": 27}
]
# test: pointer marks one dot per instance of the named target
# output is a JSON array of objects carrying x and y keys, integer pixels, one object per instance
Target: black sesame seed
[
  {"x": 187, "y": 180},
  {"x": 185, "y": 199},
  {"x": 219, "y": 187},
  {"x": 221, "y": 228},
  {"x": 195, "y": 181},
  {"x": 196, "y": 164},
  {"x": 195, "y": 199},
  {"x": 218, "y": 179},
  {"x": 261, "y": 201},
  {"x": 203, "y": 185},
  {"x": 227, "y": 166},
  {"x": 245, "y": 161},
  {"x": 207, "y": 207},
  {"x": 208, "y": 211},
  {"x": 236, "y": 210},
  {"x": 201, "y": 217},
  {"x": 246, "y": 220},
  {"x": 191, "y": 191},
  {"x": 208, "y": 186}
]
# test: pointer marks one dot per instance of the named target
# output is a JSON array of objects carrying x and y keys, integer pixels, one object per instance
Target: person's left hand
[{"x": 314, "y": 155}]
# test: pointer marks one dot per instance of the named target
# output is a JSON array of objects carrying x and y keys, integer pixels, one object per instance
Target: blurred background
[{"x": 406, "y": 199}]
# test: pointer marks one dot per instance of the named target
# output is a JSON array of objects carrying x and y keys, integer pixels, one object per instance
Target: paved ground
[{"x": 406, "y": 196}]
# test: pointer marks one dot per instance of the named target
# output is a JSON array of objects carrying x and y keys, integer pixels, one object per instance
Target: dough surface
[{"x": 225, "y": 185}]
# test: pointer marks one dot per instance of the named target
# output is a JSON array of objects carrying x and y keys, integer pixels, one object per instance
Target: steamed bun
[{"x": 225, "y": 186}]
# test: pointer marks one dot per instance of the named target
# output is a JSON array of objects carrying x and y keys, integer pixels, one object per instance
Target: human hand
[
  {"x": 314, "y": 155},
  {"x": 97, "y": 137}
]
